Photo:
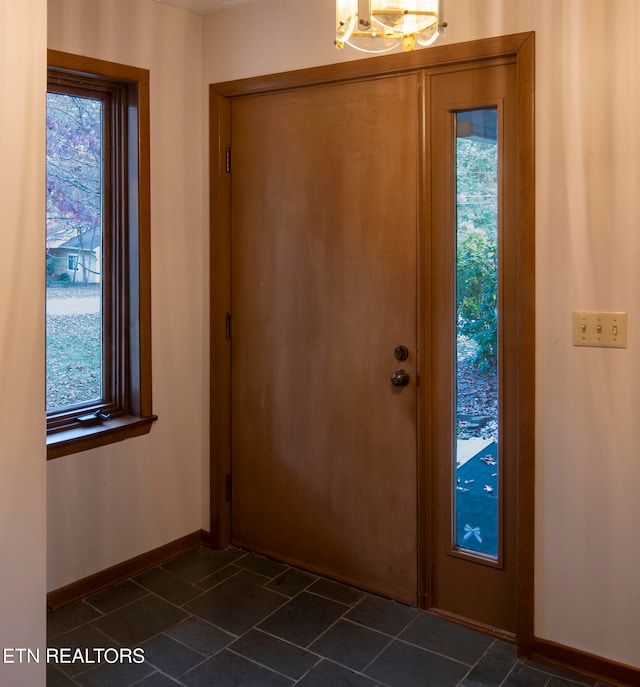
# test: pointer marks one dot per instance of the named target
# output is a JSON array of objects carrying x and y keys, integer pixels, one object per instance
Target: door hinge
[
  {"x": 227, "y": 327},
  {"x": 228, "y": 487},
  {"x": 228, "y": 160}
]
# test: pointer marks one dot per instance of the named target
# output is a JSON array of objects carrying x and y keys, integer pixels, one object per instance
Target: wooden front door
[
  {"x": 335, "y": 241},
  {"x": 323, "y": 290}
]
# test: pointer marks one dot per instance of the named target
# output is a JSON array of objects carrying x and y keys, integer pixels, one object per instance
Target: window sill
[{"x": 84, "y": 438}]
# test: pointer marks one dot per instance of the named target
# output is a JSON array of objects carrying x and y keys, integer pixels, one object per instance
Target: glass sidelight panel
[{"x": 477, "y": 475}]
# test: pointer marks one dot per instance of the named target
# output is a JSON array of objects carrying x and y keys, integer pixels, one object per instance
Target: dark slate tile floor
[{"x": 234, "y": 619}]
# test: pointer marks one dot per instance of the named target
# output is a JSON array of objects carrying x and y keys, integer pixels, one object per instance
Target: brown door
[
  {"x": 474, "y": 506},
  {"x": 336, "y": 239},
  {"x": 324, "y": 226}
]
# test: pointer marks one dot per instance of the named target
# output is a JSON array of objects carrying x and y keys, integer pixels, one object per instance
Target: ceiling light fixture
[{"x": 382, "y": 25}]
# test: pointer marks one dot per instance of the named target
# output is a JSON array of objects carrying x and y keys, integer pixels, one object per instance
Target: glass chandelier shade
[{"x": 382, "y": 25}]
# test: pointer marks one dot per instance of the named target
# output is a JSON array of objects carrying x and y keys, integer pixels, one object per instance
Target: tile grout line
[
  {"x": 477, "y": 663},
  {"x": 149, "y": 593},
  {"x": 74, "y": 627},
  {"x": 235, "y": 638},
  {"x": 89, "y": 667},
  {"x": 435, "y": 653},
  {"x": 163, "y": 633},
  {"x": 347, "y": 608},
  {"x": 262, "y": 582},
  {"x": 392, "y": 639},
  {"x": 506, "y": 677},
  {"x": 257, "y": 663},
  {"x": 268, "y": 580},
  {"x": 397, "y": 638}
]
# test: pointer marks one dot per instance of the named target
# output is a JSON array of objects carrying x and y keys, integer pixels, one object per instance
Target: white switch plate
[{"x": 605, "y": 329}]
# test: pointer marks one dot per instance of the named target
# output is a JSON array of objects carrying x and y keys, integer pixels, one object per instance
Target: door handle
[{"x": 400, "y": 378}]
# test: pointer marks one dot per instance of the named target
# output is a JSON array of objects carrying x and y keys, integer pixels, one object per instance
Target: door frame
[{"x": 516, "y": 47}]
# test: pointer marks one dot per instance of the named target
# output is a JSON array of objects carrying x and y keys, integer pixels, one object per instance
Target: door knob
[{"x": 400, "y": 378}]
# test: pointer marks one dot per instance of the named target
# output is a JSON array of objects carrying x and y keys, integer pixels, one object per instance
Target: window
[
  {"x": 98, "y": 387},
  {"x": 478, "y": 489}
]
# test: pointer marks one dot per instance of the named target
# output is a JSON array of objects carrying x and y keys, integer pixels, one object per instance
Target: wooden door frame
[{"x": 516, "y": 47}]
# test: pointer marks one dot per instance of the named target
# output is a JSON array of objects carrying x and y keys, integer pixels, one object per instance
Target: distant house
[{"x": 79, "y": 258}]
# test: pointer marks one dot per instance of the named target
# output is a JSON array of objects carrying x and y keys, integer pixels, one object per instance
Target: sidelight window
[{"x": 477, "y": 460}]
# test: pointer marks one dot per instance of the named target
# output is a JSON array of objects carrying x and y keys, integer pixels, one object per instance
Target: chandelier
[{"x": 382, "y": 25}]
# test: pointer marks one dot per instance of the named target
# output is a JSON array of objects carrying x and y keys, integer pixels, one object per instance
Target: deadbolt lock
[{"x": 401, "y": 352}]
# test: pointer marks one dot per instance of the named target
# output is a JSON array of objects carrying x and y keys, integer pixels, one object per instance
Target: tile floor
[{"x": 230, "y": 618}]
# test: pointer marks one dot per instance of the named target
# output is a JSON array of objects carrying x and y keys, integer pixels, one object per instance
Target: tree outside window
[{"x": 98, "y": 254}]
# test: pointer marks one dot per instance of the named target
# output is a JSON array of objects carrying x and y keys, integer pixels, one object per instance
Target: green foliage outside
[{"x": 477, "y": 248}]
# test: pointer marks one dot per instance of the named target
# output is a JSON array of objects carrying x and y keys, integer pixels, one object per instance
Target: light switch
[{"x": 605, "y": 329}]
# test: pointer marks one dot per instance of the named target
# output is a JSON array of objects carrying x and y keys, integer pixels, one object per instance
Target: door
[
  {"x": 323, "y": 292},
  {"x": 474, "y": 278},
  {"x": 337, "y": 239}
]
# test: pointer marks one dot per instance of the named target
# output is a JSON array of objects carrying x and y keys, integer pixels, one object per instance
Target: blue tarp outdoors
[{"x": 477, "y": 502}]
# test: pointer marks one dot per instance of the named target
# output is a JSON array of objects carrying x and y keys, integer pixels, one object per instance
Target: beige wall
[
  {"x": 108, "y": 505},
  {"x": 588, "y": 251},
  {"x": 22, "y": 421}
]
